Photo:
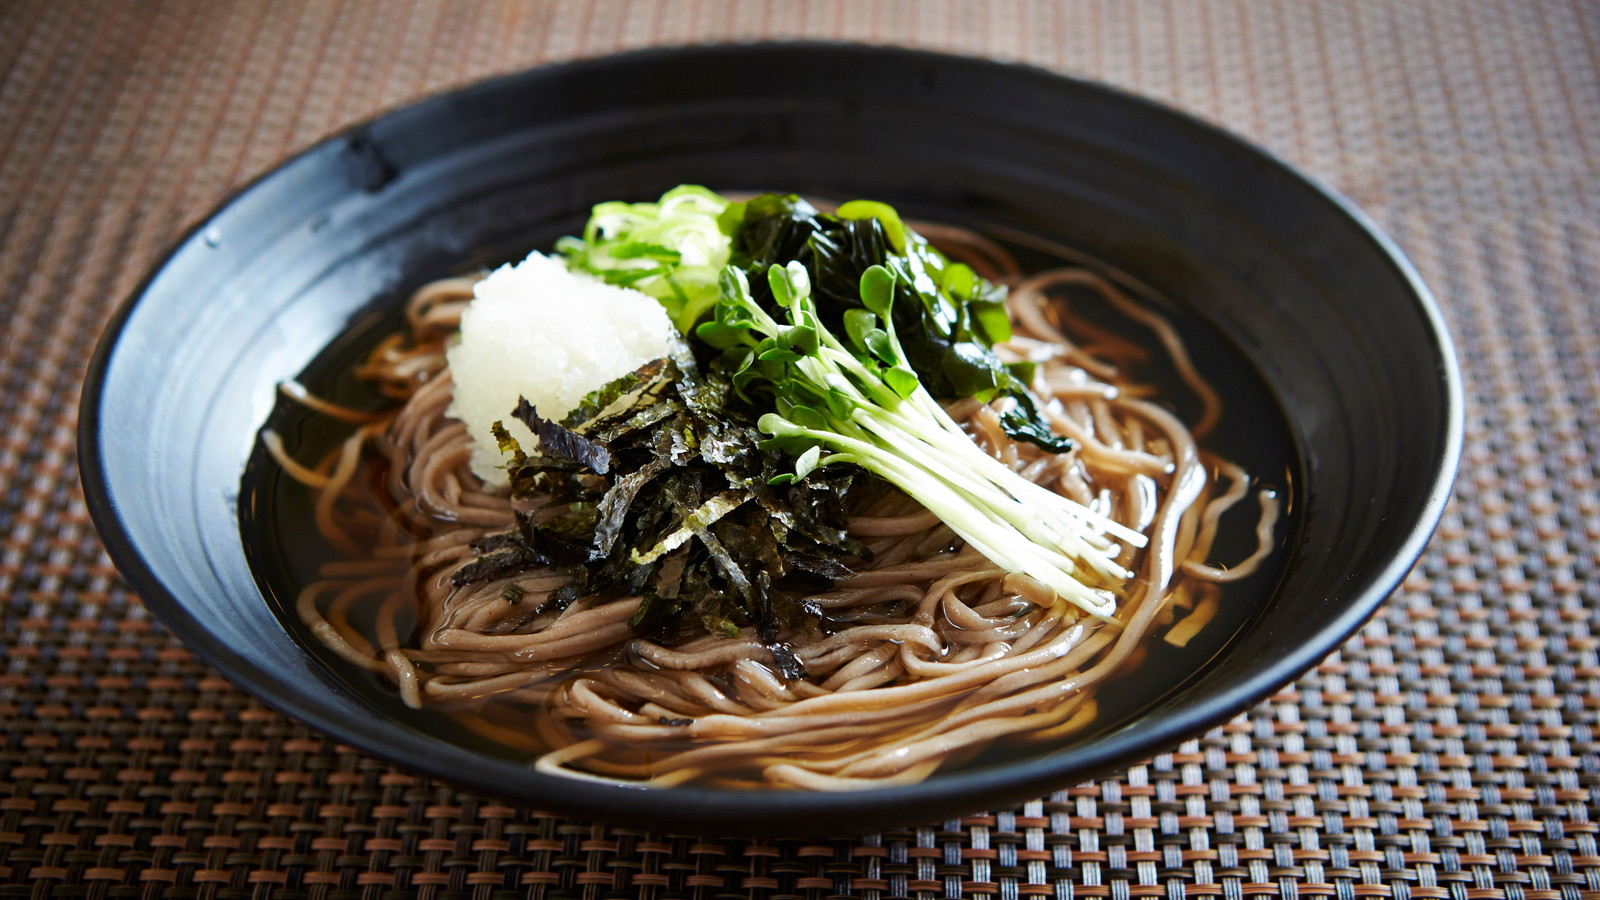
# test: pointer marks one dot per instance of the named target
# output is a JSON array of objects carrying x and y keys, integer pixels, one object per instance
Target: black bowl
[{"x": 1301, "y": 284}]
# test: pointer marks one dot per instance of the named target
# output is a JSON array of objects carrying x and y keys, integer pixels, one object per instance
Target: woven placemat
[{"x": 1447, "y": 751}]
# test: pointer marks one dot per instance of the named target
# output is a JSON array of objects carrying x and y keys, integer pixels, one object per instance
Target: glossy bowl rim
[{"x": 727, "y": 809}]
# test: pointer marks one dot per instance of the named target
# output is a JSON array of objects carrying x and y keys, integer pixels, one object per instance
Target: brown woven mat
[{"x": 1447, "y": 751}]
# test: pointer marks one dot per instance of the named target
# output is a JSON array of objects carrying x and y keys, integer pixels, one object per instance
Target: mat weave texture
[{"x": 1447, "y": 751}]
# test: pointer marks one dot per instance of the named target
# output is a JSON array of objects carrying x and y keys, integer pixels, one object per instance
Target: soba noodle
[{"x": 945, "y": 654}]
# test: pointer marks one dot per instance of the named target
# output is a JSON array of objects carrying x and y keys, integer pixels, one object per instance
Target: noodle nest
[{"x": 945, "y": 654}]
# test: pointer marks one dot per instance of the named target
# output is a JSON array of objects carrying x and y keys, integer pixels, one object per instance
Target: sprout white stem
[{"x": 910, "y": 441}]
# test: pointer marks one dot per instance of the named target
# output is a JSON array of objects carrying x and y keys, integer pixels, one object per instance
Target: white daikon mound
[{"x": 537, "y": 330}]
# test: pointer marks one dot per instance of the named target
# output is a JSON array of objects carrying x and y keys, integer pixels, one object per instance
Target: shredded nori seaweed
[
  {"x": 561, "y": 442},
  {"x": 636, "y": 464}
]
